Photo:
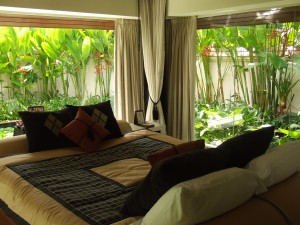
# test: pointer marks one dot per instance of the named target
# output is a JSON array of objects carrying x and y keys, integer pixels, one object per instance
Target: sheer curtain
[
  {"x": 129, "y": 79},
  {"x": 181, "y": 75},
  {"x": 153, "y": 41}
]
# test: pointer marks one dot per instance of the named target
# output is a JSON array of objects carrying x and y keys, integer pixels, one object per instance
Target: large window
[
  {"x": 247, "y": 76},
  {"x": 64, "y": 62},
  {"x": 43, "y": 63}
]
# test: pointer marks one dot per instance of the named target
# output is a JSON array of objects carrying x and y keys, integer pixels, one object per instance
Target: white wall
[
  {"x": 204, "y": 8},
  {"x": 90, "y": 83},
  {"x": 229, "y": 88},
  {"x": 119, "y": 8}
]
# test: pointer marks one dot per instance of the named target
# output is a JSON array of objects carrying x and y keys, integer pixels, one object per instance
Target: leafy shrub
[
  {"x": 5, "y": 131},
  {"x": 287, "y": 126}
]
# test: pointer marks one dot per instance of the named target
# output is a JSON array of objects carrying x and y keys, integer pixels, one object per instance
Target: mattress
[{"x": 278, "y": 206}]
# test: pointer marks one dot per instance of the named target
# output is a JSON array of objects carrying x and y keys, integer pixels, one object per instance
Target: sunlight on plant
[
  {"x": 48, "y": 66},
  {"x": 34, "y": 62},
  {"x": 262, "y": 65}
]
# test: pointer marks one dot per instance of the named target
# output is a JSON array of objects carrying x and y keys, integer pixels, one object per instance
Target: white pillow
[
  {"x": 278, "y": 163},
  {"x": 203, "y": 198}
]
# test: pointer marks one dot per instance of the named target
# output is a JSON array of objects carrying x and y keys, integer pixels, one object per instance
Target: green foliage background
[
  {"x": 263, "y": 80},
  {"x": 34, "y": 60}
]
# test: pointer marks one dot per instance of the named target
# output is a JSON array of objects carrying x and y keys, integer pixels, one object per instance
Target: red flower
[
  {"x": 98, "y": 70},
  {"x": 206, "y": 51},
  {"x": 273, "y": 34}
]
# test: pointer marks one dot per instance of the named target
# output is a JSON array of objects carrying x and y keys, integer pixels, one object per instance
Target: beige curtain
[
  {"x": 153, "y": 42},
  {"x": 129, "y": 79},
  {"x": 181, "y": 75}
]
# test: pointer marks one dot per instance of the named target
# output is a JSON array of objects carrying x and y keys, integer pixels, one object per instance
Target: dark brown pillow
[
  {"x": 42, "y": 129},
  {"x": 169, "y": 172},
  {"x": 174, "y": 150},
  {"x": 245, "y": 147},
  {"x": 85, "y": 132}
]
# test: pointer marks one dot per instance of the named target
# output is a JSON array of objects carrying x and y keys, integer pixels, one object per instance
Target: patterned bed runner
[{"x": 71, "y": 181}]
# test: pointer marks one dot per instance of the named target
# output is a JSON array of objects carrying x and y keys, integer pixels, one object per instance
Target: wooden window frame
[{"x": 44, "y": 22}]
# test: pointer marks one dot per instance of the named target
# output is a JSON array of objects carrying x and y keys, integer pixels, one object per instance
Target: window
[
  {"x": 248, "y": 73},
  {"x": 53, "y": 62}
]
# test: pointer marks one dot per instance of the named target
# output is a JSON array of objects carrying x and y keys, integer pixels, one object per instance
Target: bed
[
  {"x": 125, "y": 156},
  {"x": 62, "y": 181},
  {"x": 69, "y": 185}
]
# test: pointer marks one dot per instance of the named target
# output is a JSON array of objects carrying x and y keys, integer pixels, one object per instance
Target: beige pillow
[
  {"x": 278, "y": 163},
  {"x": 205, "y": 197}
]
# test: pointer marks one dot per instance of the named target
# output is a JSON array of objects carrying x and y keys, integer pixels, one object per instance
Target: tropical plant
[
  {"x": 47, "y": 49},
  {"x": 4, "y": 132},
  {"x": 263, "y": 68},
  {"x": 38, "y": 66},
  {"x": 102, "y": 55},
  {"x": 38, "y": 60},
  {"x": 259, "y": 81},
  {"x": 205, "y": 85},
  {"x": 78, "y": 47}
]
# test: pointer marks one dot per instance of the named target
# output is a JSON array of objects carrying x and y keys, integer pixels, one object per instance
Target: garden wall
[
  {"x": 92, "y": 88},
  {"x": 230, "y": 88}
]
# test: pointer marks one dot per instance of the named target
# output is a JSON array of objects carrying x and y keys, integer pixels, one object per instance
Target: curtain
[
  {"x": 129, "y": 78},
  {"x": 181, "y": 75},
  {"x": 153, "y": 41}
]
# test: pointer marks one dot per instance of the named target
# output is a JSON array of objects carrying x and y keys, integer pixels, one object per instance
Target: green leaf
[
  {"x": 290, "y": 133},
  {"x": 73, "y": 47},
  {"x": 11, "y": 58},
  {"x": 61, "y": 35},
  {"x": 49, "y": 50},
  {"x": 3, "y": 66},
  {"x": 13, "y": 35},
  {"x": 277, "y": 61},
  {"x": 86, "y": 48},
  {"x": 16, "y": 82}
]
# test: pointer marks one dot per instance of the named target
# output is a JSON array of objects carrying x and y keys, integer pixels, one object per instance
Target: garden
[
  {"x": 52, "y": 68},
  {"x": 247, "y": 76}
]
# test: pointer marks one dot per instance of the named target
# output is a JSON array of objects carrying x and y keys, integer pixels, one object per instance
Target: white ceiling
[
  {"x": 206, "y": 8},
  {"x": 129, "y": 8}
]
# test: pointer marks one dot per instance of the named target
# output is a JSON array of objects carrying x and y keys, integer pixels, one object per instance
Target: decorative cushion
[
  {"x": 277, "y": 164},
  {"x": 85, "y": 132},
  {"x": 42, "y": 129},
  {"x": 245, "y": 147},
  {"x": 103, "y": 114},
  {"x": 174, "y": 150},
  {"x": 203, "y": 198},
  {"x": 161, "y": 154},
  {"x": 169, "y": 172}
]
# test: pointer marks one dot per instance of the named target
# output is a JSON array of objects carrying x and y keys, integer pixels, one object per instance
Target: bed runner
[{"x": 70, "y": 181}]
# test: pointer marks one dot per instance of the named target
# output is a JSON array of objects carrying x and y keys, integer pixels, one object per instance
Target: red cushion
[
  {"x": 85, "y": 132},
  {"x": 161, "y": 154},
  {"x": 189, "y": 146},
  {"x": 174, "y": 150}
]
